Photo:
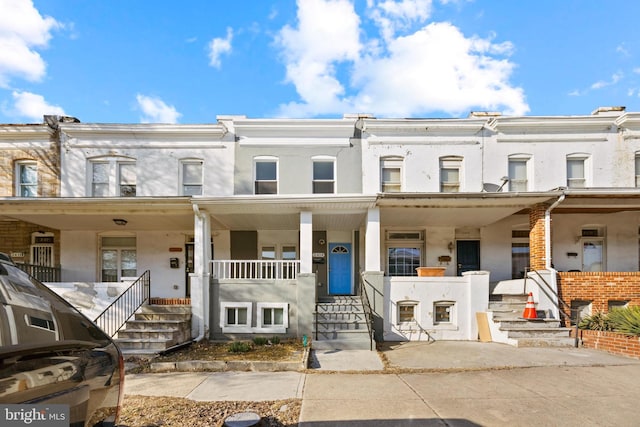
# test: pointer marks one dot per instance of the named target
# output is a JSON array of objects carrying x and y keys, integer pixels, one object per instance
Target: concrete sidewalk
[{"x": 442, "y": 383}]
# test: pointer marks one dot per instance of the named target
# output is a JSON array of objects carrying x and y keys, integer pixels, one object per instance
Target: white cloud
[
  {"x": 615, "y": 78},
  {"x": 434, "y": 68},
  {"x": 22, "y": 30},
  {"x": 392, "y": 16},
  {"x": 155, "y": 110},
  {"x": 32, "y": 107},
  {"x": 219, "y": 46}
]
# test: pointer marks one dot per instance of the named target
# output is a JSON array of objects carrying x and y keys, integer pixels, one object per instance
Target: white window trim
[
  {"x": 182, "y": 183},
  {"x": 235, "y": 328},
  {"x": 273, "y": 329},
  {"x": 119, "y": 177},
  {"x": 266, "y": 159},
  {"x": 18, "y": 181},
  {"x": 335, "y": 172},
  {"x": 392, "y": 163},
  {"x": 416, "y": 312},
  {"x": 586, "y": 158},
  {"x": 451, "y": 162},
  {"x": 453, "y": 321},
  {"x": 526, "y": 158},
  {"x": 113, "y": 174}
]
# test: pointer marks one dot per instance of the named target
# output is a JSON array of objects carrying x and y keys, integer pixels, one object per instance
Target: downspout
[
  {"x": 200, "y": 336},
  {"x": 547, "y": 232}
]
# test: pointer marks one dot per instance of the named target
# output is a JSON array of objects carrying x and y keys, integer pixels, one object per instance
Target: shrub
[
  {"x": 626, "y": 320},
  {"x": 239, "y": 347},
  {"x": 596, "y": 322},
  {"x": 260, "y": 341},
  {"x": 275, "y": 340}
]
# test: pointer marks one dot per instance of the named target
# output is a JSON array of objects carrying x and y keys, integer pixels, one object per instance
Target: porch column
[
  {"x": 200, "y": 279},
  {"x": 372, "y": 241},
  {"x": 537, "y": 233},
  {"x": 306, "y": 242}
]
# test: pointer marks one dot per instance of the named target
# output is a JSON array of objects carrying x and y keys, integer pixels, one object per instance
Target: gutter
[
  {"x": 547, "y": 232},
  {"x": 201, "y": 331}
]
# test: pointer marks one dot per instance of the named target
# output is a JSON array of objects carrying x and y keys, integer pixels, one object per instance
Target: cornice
[{"x": 158, "y": 130}]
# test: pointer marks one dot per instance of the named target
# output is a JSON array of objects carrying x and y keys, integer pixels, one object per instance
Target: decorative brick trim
[
  {"x": 611, "y": 342},
  {"x": 169, "y": 301}
]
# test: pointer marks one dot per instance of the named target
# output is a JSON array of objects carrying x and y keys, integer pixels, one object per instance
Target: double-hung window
[
  {"x": 100, "y": 179},
  {"x": 637, "y": 169},
  {"x": 112, "y": 177},
  {"x": 191, "y": 176},
  {"x": 518, "y": 173},
  {"x": 266, "y": 175},
  {"x": 27, "y": 179},
  {"x": 324, "y": 176},
  {"x": 127, "y": 179},
  {"x": 577, "y": 171},
  {"x": 391, "y": 175},
  {"x": 450, "y": 168}
]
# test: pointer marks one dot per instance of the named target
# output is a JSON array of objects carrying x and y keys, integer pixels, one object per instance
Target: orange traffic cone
[{"x": 530, "y": 309}]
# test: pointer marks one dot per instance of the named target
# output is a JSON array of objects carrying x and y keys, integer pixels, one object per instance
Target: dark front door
[{"x": 468, "y": 255}]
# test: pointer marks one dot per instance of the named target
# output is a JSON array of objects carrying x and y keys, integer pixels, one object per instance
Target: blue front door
[{"x": 340, "y": 271}]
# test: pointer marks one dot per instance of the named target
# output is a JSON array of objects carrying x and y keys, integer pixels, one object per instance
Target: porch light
[{"x": 120, "y": 221}]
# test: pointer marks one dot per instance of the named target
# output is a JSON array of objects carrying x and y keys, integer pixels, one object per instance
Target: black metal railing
[
  {"x": 113, "y": 318},
  {"x": 555, "y": 298},
  {"x": 368, "y": 312},
  {"x": 40, "y": 272}
]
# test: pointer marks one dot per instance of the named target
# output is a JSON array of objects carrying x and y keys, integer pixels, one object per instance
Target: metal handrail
[
  {"x": 114, "y": 317},
  {"x": 557, "y": 298},
  {"x": 368, "y": 312},
  {"x": 40, "y": 272}
]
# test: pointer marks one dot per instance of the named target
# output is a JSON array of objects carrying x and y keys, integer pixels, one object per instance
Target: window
[
  {"x": 443, "y": 312},
  {"x": 191, "y": 178},
  {"x": 450, "y": 174},
  {"x": 517, "y": 174},
  {"x": 235, "y": 317},
  {"x": 579, "y": 310},
  {"x": 118, "y": 258},
  {"x": 637, "y": 169},
  {"x": 391, "y": 175},
  {"x": 111, "y": 177},
  {"x": 519, "y": 253},
  {"x": 576, "y": 171},
  {"x": 407, "y": 312},
  {"x": 613, "y": 304},
  {"x": 42, "y": 249},
  {"x": 404, "y": 252},
  {"x": 27, "y": 179},
  {"x": 127, "y": 179},
  {"x": 266, "y": 176},
  {"x": 273, "y": 317},
  {"x": 593, "y": 249},
  {"x": 323, "y": 176}
]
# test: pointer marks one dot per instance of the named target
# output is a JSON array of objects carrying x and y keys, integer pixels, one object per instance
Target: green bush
[
  {"x": 260, "y": 341},
  {"x": 239, "y": 347},
  {"x": 596, "y": 322},
  {"x": 626, "y": 320},
  {"x": 275, "y": 340}
]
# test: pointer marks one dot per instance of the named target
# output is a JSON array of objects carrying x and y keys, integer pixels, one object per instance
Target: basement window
[
  {"x": 273, "y": 317},
  {"x": 407, "y": 312},
  {"x": 443, "y": 312},
  {"x": 235, "y": 317}
]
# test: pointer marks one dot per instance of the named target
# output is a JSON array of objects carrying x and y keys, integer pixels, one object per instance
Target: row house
[{"x": 258, "y": 224}]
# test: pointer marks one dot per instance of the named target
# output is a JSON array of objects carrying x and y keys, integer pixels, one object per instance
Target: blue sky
[{"x": 124, "y": 61}]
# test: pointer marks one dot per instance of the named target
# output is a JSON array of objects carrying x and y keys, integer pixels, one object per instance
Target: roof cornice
[{"x": 213, "y": 130}]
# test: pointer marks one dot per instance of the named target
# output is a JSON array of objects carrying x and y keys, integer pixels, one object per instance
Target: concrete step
[
  {"x": 336, "y": 325},
  {"x": 515, "y": 298},
  {"x": 344, "y": 316},
  {"x": 537, "y": 333},
  {"x": 185, "y": 309},
  {"x": 344, "y": 343},
  {"x": 505, "y": 306},
  {"x": 154, "y": 345},
  {"x": 528, "y": 323},
  {"x": 176, "y": 335},
  {"x": 156, "y": 324},
  {"x": 545, "y": 342},
  {"x": 163, "y": 316}
]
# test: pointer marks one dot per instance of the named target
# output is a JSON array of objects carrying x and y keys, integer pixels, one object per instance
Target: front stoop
[
  {"x": 155, "y": 328},
  {"x": 507, "y": 312},
  {"x": 340, "y": 324}
]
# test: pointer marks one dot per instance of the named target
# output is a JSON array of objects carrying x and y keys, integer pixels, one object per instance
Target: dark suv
[{"x": 50, "y": 354}]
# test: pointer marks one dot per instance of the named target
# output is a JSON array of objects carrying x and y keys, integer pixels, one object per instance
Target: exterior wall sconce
[
  {"x": 450, "y": 247},
  {"x": 120, "y": 221}
]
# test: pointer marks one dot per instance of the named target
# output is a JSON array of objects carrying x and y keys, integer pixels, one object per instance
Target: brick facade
[
  {"x": 611, "y": 342},
  {"x": 537, "y": 253},
  {"x": 599, "y": 288},
  {"x": 16, "y": 238}
]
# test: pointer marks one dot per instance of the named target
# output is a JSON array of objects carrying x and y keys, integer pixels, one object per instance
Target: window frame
[
  {"x": 637, "y": 169},
  {"x": 119, "y": 249},
  {"x": 404, "y": 243},
  {"x": 273, "y": 328},
  {"x": 584, "y": 181},
  {"x": 256, "y": 181},
  {"x": 19, "y": 184},
  {"x": 517, "y": 184},
  {"x": 322, "y": 181},
  {"x": 119, "y": 178},
  {"x": 451, "y": 305},
  {"x": 414, "y": 305},
  {"x": 451, "y": 163},
  {"x": 238, "y": 328},
  {"x": 184, "y": 184},
  {"x": 392, "y": 163}
]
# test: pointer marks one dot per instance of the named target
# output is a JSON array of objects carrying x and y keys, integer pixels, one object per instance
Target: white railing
[{"x": 255, "y": 269}]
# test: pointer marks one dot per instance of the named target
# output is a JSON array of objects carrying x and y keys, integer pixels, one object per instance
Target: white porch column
[
  {"x": 372, "y": 241},
  {"x": 200, "y": 279},
  {"x": 306, "y": 242}
]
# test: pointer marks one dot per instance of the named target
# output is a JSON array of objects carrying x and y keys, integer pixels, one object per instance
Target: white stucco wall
[{"x": 470, "y": 293}]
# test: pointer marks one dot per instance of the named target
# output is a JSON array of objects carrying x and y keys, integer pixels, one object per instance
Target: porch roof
[{"x": 80, "y": 213}]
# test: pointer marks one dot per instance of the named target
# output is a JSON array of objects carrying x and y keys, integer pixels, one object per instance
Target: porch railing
[
  {"x": 368, "y": 312},
  {"x": 255, "y": 269},
  {"x": 40, "y": 272},
  {"x": 113, "y": 318}
]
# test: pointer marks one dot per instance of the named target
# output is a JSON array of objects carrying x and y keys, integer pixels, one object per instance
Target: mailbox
[{"x": 174, "y": 263}]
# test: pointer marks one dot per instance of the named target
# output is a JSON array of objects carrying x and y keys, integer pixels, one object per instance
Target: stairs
[
  {"x": 155, "y": 328},
  {"x": 514, "y": 330},
  {"x": 341, "y": 324}
]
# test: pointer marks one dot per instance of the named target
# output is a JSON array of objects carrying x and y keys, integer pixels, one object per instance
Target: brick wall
[
  {"x": 16, "y": 237},
  {"x": 599, "y": 288},
  {"x": 611, "y": 342},
  {"x": 537, "y": 253}
]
